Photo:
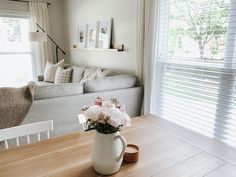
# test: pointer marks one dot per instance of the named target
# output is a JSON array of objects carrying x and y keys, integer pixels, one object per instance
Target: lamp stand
[{"x": 57, "y": 46}]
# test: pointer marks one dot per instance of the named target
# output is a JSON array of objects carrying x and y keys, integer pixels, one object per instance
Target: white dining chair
[
  {"x": 25, "y": 131},
  {"x": 82, "y": 121}
]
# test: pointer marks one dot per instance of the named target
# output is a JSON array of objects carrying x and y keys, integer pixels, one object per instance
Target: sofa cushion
[
  {"x": 50, "y": 71},
  {"x": 78, "y": 73},
  {"x": 47, "y": 91},
  {"x": 110, "y": 83},
  {"x": 43, "y": 83},
  {"x": 63, "y": 75}
]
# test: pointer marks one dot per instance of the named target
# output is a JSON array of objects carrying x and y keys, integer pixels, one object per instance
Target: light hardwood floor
[{"x": 166, "y": 150}]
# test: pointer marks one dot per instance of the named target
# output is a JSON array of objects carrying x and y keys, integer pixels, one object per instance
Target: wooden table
[{"x": 166, "y": 150}]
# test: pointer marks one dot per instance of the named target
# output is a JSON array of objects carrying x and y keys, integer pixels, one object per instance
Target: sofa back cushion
[
  {"x": 50, "y": 71},
  {"x": 63, "y": 75},
  {"x": 78, "y": 73},
  {"x": 48, "y": 91},
  {"x": 110, "y": 83}
]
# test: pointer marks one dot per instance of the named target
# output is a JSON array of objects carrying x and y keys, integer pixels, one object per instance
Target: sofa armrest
[{"x": 40, "y": 78}]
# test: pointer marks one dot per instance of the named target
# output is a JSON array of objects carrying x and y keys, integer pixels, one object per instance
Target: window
[
  {"x": 196, "y": 67},
  {"x": 15, "y": 52}
]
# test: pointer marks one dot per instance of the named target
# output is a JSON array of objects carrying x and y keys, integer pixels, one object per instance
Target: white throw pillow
[
  {"x": 89, "y": 74},
  {"x": 78, "y": 73},
  {"x": 50, "y": 71},
  {"x": 105, "y": 73},
  {"x": 63, "y": 75}
]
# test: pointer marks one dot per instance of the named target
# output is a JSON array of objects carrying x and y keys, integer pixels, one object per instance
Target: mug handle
[{"x": 124, "y": 144}]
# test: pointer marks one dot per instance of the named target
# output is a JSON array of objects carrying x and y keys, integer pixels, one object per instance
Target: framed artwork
[
  {"x": 92, "y": 35},
  {"x": 82, "y": 35},
  {"x": 104, "y": 34}
]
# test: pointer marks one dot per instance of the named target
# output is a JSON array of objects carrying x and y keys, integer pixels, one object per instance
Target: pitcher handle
[{"x": 124, "y": 144}]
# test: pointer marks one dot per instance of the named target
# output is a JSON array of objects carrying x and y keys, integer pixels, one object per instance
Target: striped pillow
[{"x": 63, "y": 75}]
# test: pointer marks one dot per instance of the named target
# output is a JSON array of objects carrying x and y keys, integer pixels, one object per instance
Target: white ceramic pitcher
[{"x": 107, "y": 152}]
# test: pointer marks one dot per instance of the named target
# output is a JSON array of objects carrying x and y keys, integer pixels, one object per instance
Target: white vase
[{"x": 107, "y": 152}]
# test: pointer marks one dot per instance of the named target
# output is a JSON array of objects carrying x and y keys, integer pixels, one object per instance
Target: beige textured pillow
[
  {"x": 78, "y": 73},
  {"x": 89, "y": 74},
  {"x": 105, "y": 73},
  {"x": 63, "y": 75},
  {"x": 50, "y": 71}
]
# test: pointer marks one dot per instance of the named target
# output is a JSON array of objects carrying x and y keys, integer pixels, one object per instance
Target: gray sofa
[{"x": 63, "y": 102}]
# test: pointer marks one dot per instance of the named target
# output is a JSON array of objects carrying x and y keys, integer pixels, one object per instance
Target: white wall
[
  {"x": 57, "y": 21},
  {"x": 123, "y": 14},
  {"x": 56, "y": 15}
]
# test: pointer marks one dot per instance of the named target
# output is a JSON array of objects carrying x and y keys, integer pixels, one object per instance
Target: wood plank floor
[{"x": 203, "y": 156}]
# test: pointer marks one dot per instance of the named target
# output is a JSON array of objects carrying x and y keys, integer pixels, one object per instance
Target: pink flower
[{"x": 99, "y": 101}]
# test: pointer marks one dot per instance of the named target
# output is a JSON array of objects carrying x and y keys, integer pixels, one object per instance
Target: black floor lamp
[{"x": 42, "y": 37}]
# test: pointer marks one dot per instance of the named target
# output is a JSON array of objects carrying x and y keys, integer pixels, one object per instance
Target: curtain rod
[{"x": 26, "y": 1}]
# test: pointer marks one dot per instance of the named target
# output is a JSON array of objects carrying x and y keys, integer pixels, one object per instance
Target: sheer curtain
[
  {"x": 42, "y": 52},
  {"x": 147, "y": 29}
]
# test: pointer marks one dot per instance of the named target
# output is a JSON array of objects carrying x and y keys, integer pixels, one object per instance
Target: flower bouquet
[{"x": 106, "y": 117}]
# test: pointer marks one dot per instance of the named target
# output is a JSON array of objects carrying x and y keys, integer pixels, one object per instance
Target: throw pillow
[
  {"x": 50, "y": 71},
  {"x": 78, "y": 72},
  {"x": 63, "y": 75},
  {"x": 105, "y": 73},
  {"x": 89, "y": 74}
]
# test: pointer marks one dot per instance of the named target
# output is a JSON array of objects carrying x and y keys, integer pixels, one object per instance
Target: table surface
[{"x": 166, "y": 150}]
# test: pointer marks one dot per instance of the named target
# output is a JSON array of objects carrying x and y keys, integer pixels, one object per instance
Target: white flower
[
  {"x": 127, "y": 119},
  {"x": 116, "y": 118},
  {"x": 93, "y": 112},
  {"x": 108, "y": 104},
  {"x": 122, "y": 108}
]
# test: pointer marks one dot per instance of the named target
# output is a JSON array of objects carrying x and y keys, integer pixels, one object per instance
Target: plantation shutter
[{"x": 196, "y": 66}]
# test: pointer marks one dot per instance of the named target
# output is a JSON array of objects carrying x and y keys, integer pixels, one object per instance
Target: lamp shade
[{"x": 38, "y": 36}]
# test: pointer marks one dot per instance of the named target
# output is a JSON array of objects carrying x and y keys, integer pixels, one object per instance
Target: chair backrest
[
  {"x": 82, "y": 121},
  {"x": 25, "y": 130}
]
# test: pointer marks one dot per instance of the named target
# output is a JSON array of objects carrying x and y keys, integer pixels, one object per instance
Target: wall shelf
[{"x": 96, "y": 49}]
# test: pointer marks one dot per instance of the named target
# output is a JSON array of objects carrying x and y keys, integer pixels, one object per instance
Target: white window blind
[{"x": 196, "y": 67}]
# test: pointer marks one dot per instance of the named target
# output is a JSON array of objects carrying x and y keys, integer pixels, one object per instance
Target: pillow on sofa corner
[
  {"x": 63, "y": 75},
  {"x": 89, "y": 74},
  {"x": 106, "y": 72},
  {"x": 50, "y": 71},
  {"x": 78, "y": 73},
  {"x": 110, "y": 83}
]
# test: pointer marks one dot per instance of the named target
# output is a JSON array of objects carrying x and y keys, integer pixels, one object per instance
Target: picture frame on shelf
[
  {"x": 104, "y": 34},
  {"x": 92, "y": 35},
  {"x": 82, "y": 36}
]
